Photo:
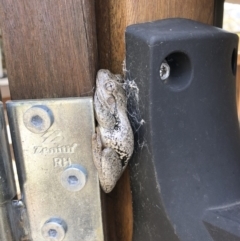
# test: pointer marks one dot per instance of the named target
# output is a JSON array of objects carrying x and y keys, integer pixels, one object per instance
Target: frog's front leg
[{"x": 107, "y": 162}]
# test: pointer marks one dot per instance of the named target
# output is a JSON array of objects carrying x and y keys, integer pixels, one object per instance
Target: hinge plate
[{"x": 58, "y": 180}]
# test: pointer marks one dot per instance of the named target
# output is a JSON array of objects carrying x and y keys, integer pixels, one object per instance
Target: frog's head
[{"x": 110, "y": 88}]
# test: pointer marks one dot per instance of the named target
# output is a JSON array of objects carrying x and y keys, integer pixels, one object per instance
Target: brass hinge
[{"x": 60, "y": 193}]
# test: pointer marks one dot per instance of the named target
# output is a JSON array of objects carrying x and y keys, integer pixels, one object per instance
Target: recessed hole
[
  {"x": 72, "y": 180},
  {"x": 180, "y": 71},
  {"x": 234, "y": 62},
  {"x": 37, "y": 121},
  {"x": 52, "y": 233}
]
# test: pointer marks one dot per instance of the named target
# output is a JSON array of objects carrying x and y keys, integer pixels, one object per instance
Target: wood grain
[
  {"x": 112, "y": 18},
  {"x": 50, "y": 47}
]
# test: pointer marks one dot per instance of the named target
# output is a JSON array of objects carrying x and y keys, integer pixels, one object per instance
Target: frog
[{"x": 113, "y": 141}]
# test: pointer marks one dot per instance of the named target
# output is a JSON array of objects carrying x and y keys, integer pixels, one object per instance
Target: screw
[
  {"x": 54, "y": 229},
  {"x": 74, "y": 178},
  {"x": 164, "y": 70},
  {"x": 38, "y": 119}
]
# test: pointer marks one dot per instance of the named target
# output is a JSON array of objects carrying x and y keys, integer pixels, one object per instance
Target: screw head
[
  {"x": 164, "y": 70},
  {"x": 74, "y": 178},
  {"x": 54, "y": 230},
  {"x": 38, "y": 119}
]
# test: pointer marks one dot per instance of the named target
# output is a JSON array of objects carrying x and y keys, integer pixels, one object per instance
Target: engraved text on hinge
[{"x": 54, "y": 150}]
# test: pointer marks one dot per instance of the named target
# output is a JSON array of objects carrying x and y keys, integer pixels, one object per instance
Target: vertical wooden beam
[
  {"x": 112, "y": 18},
  {"x": 50, "y": 47}
]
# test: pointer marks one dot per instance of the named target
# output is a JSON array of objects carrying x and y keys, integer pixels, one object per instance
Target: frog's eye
[{"x": 109, "y": 86}]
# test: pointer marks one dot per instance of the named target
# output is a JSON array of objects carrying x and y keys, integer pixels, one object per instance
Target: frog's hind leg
[
  {"x": 107, "y": 162},
  {"x": 111, "y": 169}
]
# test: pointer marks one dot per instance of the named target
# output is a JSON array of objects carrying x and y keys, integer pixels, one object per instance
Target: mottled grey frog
[{"x": 113, "y": 141}]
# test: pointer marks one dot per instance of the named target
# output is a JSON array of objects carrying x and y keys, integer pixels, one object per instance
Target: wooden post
[
  {"x": 50, "y": 47},
  {"x": 112, "y": 18}
]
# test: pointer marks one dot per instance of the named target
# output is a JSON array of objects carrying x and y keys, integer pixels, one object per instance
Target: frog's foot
[{"x": 111, "y": 169}]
